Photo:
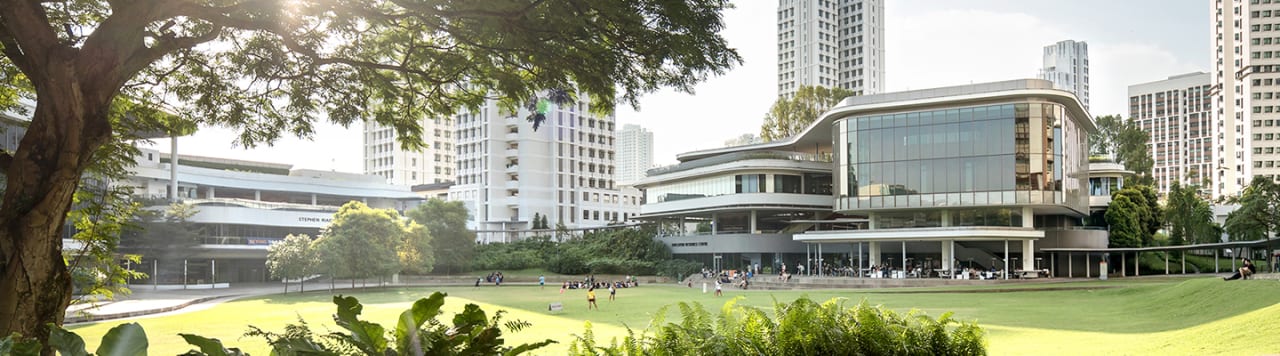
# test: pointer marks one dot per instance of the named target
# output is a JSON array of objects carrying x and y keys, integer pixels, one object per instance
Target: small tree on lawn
[
  {"x": 292, "y": 258},
  {"x": 416, "y": 251},
  {"x": 361, "y": 242}
]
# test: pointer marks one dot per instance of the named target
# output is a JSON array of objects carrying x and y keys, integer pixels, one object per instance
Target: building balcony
[
  {"x": 513, "y": 185},
  {"x": 512, "y": 152},
  {"x": 513, "y": 168}
]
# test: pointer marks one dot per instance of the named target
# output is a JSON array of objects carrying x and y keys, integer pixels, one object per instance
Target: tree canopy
[
  {"x": 1189, "y": 218},
  {"x": 292, "y": 258},
  {"x": 268, "y": 68},
  {"x": 453, "y": 243},
  {"x": 361, "y": 242},
  {"x": 1259, "y": 208},
  {"x": 1125, "y": 142},
  {"x": 790, "y": 116}
]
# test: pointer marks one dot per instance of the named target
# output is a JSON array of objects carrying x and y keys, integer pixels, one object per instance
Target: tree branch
[{"x": 26, "y": 34}]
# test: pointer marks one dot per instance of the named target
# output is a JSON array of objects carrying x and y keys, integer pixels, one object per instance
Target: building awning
[
  {"x": 954, "y": 233},
  {"x": 1215, "y": 245}
]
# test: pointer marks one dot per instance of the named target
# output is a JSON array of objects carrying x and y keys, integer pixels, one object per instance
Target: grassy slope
[{"x": 1151, "y": 316}]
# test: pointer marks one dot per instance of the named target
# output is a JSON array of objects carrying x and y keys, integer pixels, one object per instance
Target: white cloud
[
  {"x": 1114, "y": 67},
  {"x": 955, "y": 47}
]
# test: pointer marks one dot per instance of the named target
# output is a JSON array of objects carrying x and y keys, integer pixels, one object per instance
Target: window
[{"x": 748, "y": 183}]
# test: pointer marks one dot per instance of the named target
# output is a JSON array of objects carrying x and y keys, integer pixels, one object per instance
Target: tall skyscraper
[
  {"x": 508, "y": 173},
  {"x": 1246, "y": 104},
  {"x": 1176, "y": 112},
  {"x": 1066, "y": 64},
  {"x": 635, "y": 153},
  {"x": 383, "y": 156},
  {"x": 831, "y": 43}
]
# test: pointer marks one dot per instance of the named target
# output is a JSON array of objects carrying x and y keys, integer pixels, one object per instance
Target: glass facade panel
[{"x": 1004, "y": 148}]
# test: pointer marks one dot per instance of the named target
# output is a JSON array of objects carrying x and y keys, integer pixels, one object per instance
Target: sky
[{"x": 929, "y": 43}]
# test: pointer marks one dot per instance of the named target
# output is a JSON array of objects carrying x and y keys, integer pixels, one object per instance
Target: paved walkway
[{"x": 145, "y": 300}]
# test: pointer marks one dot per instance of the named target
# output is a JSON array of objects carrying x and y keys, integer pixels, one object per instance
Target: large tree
[
  {"x": 271, "y": 67},
  {"x": 1125, "y": 226},
  {"x": 1259, "y": 211},
  {"x": 790, "y": 115},
  {"x": 1146, "y": 209},
  {"x": 1189, "y": 218},
  {"x": 1126, "y": 142},
  {"x": 453, "y": 245}
]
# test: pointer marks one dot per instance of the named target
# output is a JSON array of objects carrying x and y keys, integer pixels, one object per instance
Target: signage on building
[{"x": 262, "y": 241}]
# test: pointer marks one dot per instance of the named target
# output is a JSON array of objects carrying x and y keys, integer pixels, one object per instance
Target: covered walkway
[
  {"x": 940, "y": 242},
  {"x": 1242, "y": 248}
]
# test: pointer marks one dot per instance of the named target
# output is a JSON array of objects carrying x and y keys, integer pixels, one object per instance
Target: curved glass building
[{"x": 926, "y": 180}]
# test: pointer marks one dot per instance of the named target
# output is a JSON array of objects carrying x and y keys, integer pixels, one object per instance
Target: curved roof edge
[{"x": 932, "y": 96}]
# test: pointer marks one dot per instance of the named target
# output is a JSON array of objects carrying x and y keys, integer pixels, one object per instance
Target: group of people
[{"x": 495, "y": 278}]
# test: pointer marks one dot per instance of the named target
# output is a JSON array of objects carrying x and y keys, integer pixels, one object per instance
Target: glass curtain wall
[{"x": 981, "y": 155}]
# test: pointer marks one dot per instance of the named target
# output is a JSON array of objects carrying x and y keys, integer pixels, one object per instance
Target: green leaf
[
  {"x": 15, "y": 344},
  {"x": 124, "y": 340},
  {"x": 411, "y": 320},
  {"x": 211, "y": 347},
  {"x": 369, "y": 337},
  {"x": 67, "y": 343},
  {"x": 523, "y": 348}
]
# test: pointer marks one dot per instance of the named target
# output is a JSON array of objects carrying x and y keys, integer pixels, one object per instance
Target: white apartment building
[
  {"x": 831, "y": 43},
  {"x": 1176, "y": 112},
  {"x": 507, "y": 172},
  {"x": 1066, "y": 64},
  {"x": 1246, "y": 88},
  {"x": 635, "y": 153},
  {"x": 383, "y": 156}
]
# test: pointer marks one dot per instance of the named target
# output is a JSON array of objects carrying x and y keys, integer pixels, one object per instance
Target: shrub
[
  {"x": 803, "y": 327},
  {"x": 570, "y": 261},
  {"x": 620, "y": 266},
  {"x": 677, "y": 268}
]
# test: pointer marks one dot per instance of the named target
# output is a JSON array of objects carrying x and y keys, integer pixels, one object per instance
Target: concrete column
[
  {"x": 1006, "y": 256},
  {"x": 208, "y": 194},
  {"x": 1028, "y": 220},
  {"x": 1069, "y": 271},
  {"x": 1124, "y": 260},
  {"x": 713, "y": 224},
  {"x": 752, "y": 224},
  {"x": 947, "y": 254},
  {"x": 1028, "y": 254},
  {"x": 173, "y": 169},
  {"x": 904, "y": 259},
  {"x": 946, "y": 218},
  {"x": 313, "y": 199},
  {"x": 873, "y": 253},
  {"x": 1135, "y": 263},
  {"x": 257, "y": 195},
  {"x": 871, "y": 221}
]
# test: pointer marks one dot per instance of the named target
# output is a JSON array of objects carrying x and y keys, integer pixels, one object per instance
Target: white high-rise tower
[
  {"x": 508, "y": 173},
  {"x": 383, "y": 156},
  {"x": 635, "y": 153},
  {"x": 1066, "y": 64},
  {"x": 1246, "y": 106},
  {"x": 831, "y": 43}
]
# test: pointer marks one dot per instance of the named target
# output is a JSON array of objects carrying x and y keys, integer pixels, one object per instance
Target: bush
[
  {"x": 570, "y": 261},
  {"x": 620, "y": 266},
  {"x": 504, "y": 257},
  {"x": 803, "y": 327},
  {"x": 678, "y": 268}
]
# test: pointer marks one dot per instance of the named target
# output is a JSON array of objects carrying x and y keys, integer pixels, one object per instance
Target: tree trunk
[{"x": 69, "y": 123}]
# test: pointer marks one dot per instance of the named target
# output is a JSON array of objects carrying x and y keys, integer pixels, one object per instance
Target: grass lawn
[{"x": 1133, "y": 316}]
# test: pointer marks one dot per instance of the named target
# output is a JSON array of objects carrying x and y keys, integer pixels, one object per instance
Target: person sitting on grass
[
  {"x": 591, "y": 299},
  {"x": 1245, "y": 271}
]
